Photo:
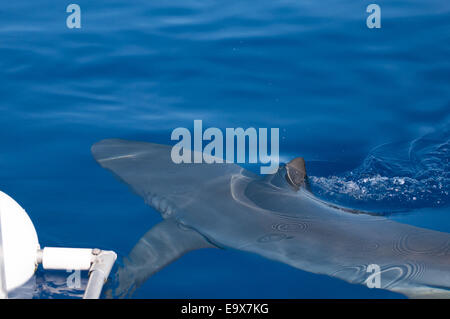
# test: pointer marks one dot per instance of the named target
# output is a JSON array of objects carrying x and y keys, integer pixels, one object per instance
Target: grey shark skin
[{"x": 226, "y": 206}]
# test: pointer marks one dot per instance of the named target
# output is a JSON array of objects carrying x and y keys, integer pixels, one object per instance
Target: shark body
[{"x": 226, "y": 206}]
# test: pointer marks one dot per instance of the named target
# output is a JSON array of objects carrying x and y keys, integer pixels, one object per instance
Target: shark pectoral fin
[{"x": 161, "y": 245}]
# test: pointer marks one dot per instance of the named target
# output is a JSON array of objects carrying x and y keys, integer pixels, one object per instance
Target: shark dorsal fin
[{"x": 296, "y": 172}]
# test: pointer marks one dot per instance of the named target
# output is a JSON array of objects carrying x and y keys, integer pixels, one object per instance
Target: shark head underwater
[{"x": 223, "y": 205}]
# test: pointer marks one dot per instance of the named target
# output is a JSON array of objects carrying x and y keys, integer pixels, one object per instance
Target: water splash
[{"x": 395, "y": 176}]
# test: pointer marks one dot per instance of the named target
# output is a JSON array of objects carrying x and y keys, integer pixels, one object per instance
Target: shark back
[{"x": 278, "y": 218}]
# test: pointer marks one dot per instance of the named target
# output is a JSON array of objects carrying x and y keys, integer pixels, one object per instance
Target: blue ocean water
[{"x": 337, "y": 90}]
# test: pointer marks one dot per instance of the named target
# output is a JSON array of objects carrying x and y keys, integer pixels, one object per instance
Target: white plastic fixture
[
  {"x": 20, "y": 243},
  {"x": 20, "y": 253},
  {"x": 67, "y": 258}
]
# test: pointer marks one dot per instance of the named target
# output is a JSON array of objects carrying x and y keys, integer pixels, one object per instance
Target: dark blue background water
[{"x": 139, "y": 69}]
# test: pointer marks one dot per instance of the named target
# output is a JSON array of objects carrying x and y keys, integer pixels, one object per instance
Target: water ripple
[{"x": 395, "y": 176}]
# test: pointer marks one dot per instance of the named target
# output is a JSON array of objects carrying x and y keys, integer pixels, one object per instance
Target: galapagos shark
[{"x": 276, "y": 216}]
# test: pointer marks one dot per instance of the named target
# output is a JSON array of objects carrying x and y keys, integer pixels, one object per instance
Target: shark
[{"x": 223, "y": 205}]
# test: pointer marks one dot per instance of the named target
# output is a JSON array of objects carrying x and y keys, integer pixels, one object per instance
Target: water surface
[{"x": 138, "y": 69}]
